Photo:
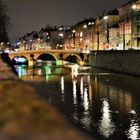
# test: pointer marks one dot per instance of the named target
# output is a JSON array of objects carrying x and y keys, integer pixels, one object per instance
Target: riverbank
[
  {"x": 127, "y": 62},
  {"x": 26, "y": 116}
]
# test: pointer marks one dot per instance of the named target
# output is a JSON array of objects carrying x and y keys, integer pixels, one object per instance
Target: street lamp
[
  {"x": 73, "y": 35},
  {"x": 123, "y": 36},
  {"x": 134, "y": 6},
  {"x": 134, "y": 29},
  {"x": 97, "y": 40},
  {"x": 107, "y": 29}
]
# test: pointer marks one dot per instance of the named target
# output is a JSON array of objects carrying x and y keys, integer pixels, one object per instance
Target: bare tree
[{"x": 4, "y": 23}]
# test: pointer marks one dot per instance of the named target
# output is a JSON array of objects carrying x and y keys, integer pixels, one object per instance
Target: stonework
[{"x": 127, "y": 62}]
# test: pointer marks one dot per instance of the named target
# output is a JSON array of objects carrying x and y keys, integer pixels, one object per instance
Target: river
[{"x": 102, "y": 104}]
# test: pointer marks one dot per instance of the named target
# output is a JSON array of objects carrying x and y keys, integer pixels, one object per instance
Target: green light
[
  {"x": 47, "y": 72},
  {"x": 58, "y": 70},
  {"x": 47, "y": 77},
  {"x": 59, "y": 62}
]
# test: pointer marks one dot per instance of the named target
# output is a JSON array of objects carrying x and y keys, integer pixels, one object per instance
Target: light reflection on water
[
  {"x": 133, "y": 132},
  {"x": 104, "y": 105},
  {"x": 106, "y": 126},
  {"x": 74, "y": 91},
  {"x": 62, "y": 87}
]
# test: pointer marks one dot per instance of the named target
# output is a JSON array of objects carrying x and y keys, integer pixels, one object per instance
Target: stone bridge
[{"x": 80, "y": 57}]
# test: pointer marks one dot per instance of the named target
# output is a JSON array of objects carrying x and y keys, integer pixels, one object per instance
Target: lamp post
[
  {"x": 134, "y": 31},
  {"x": 97, "y": 40},
  {"x": 107, "y": 29},
  {"x": 123, "y": 36},
  {"x": 73, "y": 35}
]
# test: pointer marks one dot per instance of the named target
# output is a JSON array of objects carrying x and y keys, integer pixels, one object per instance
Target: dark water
[{"x": 102, "y": 104}]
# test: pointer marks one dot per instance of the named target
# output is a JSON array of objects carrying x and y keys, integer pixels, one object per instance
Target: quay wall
[{"x": 127, "y": 62}]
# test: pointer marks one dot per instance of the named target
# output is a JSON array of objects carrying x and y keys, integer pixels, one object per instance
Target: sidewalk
[{"x": 26, "y": 116}]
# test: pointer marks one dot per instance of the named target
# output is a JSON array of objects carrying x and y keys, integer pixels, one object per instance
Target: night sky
[{"x": 30, "y": 15}]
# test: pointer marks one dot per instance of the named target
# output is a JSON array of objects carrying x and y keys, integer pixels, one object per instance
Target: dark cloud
[{"x": 29, "y": 15}]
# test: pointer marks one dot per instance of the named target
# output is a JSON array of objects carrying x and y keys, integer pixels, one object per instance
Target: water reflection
[
  {"x": 21, "y": 70},
  {"x": 62, "y": 86},
  {"x": 133, "y": 132},
  {"x": 81, "y": 87},
  {"x": 81, "y": 98},
  {"x": 86, "y": 120},
  {"x": 86, "y": 100},
  {"x": 93, "y": 100},
  {"x": 39, "y": 72},
  {"x": 89, "y": 88},
  {"x": 74, "y": 70},
  {"x": 74, "y": 91},
  {"x": 106, "y": 126}
]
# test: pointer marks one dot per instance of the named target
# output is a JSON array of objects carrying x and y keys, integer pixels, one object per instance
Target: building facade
[
  {"x": 82, "y": 35},
  {"x": 125, "y": 26},
  {"x": 118, "y": 29},
  {"x": 135, "y": 11}
]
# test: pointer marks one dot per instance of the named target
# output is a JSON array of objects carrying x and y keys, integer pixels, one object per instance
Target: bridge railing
[{"x": 51, "y": 50}]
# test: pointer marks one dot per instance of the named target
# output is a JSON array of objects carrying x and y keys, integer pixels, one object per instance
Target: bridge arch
[
  {"x": 74, "y": 58},
  {"x": 47, "y": 56},
  {"x": 20, "y": 60},
  {"x": 70, "y": 55}
]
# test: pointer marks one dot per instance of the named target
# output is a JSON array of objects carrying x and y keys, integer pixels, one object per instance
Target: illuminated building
[
  {"x": 118, "y": 29},
  {"x": 129, "y": 25},
  {"x": 135, "y": 14},
  {"x": 97, "y": 35},
  {"x": 107, "y": 31},
  {"x": 125, "y": 26},
  {"x": 82, "y": 34}
]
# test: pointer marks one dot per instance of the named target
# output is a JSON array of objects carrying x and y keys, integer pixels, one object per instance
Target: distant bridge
[{"x": 79, "y": 57}]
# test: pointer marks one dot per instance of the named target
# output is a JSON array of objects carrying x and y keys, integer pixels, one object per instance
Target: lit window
[
  {"x": 85, "y": 26},
  {"x": 134, "y": 6},
  {"x": 61, "y": 34},
  {"x": 61, "y": 28},
  {"x": 73, "y": 31},
  {"x": 89, "y": 23},
  {"x": 81, "y": 34}
]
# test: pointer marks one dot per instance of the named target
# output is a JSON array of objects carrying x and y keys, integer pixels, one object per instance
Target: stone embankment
[
  {"x": 25, "y": 116},
  {"x": 127, "y": 62}
]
